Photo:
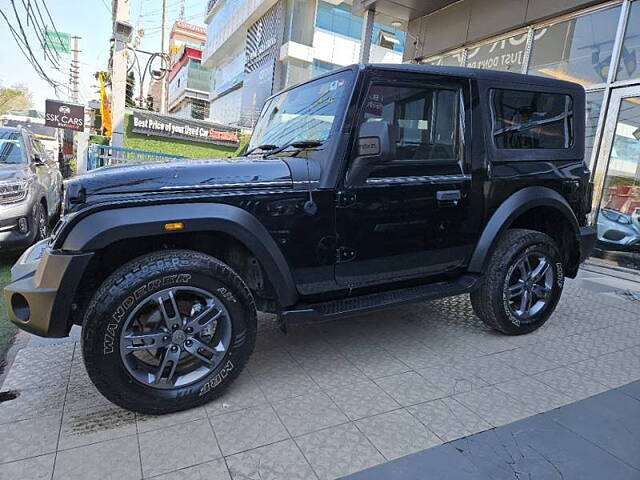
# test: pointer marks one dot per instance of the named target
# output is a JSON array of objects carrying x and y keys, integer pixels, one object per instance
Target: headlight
[
  {"x": 13, "y": 192},
  {"x": 616, "y": 217}
]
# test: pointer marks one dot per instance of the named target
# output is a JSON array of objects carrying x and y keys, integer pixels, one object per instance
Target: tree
[
  {"x": 131, "y": 83},
  {"x": 17, "y": 97}
]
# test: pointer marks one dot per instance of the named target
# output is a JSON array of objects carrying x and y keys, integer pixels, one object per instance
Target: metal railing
[{"x": 105, "y": 155}]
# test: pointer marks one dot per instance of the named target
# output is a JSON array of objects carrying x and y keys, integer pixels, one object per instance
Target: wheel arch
[{"x": 536, "y": 208}]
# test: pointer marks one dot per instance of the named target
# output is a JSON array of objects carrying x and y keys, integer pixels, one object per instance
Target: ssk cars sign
[
  {"x": 185, "y": 129},
  {"x": 64, "y": 115}
]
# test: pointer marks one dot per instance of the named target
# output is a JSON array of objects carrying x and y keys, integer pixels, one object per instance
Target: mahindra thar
[{"x": 364, "y": 188}]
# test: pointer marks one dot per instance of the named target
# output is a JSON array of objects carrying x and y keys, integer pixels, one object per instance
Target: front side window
[
  {"x": 531, "y": 120},
  {"x": 424, "y": 120},
  {"x": 10, "y": 147}
]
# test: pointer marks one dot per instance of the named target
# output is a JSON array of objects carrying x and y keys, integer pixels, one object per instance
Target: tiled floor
[{"x": 324, "y": 400}]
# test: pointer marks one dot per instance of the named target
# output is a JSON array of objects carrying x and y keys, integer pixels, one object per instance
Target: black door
[{"x": 411, "y": 217}]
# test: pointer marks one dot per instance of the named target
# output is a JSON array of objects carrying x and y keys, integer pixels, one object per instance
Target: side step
[{"x": 376, "y": 301}]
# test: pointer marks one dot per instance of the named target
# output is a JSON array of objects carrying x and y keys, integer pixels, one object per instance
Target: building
[
  {"x": 594, "y": 43},
  {"x": 189, "y": 83},
  {"x": 185, "y": 34},
  {"x": 257, "y": 47}
]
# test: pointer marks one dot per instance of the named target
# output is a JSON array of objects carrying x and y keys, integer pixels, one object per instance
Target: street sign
[
  {"x": 57, "y": 41},
  {"x": 69, "y": 116}
]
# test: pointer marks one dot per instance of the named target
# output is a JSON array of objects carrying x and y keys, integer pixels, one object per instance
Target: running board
[{"x": 376, "y": 301}]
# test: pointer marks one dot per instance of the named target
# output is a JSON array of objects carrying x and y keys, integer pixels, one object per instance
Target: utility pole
[
  {"x": 74, "y": 71},
  {"x": 163, "y": 46},
  {"x": 118, "y": 76}
]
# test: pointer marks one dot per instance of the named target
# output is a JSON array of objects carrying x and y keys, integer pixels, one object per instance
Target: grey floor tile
[
  {"x": 214, "y": 470},
  {"x": 35, "y": 468},
  {"x": 526, "y": 361},
  {"x": 334, "y": 373},
  {"x": 33, "y": 403},
  {"x": 286, "y": 383},
  {"x": 84, "y": 396},
  {"x": 570, "y": 382},
  {"x": 244, "y": 392},
  {"x": 454, "y": 378},
  {"x": 309, "y": 413},
  {"x": 247, "y": 429},
  {"x": 177, "y": 447},
  {"x": 409, "y": 388},
  {"x": 396, "y": 434},
  {"x": 492, "y": 369},
  {"x": 631, "y": 389},
  {"x": 111, "y": 460},
  {"x": 613, "y": 370},
  {"x": 493, "y": 405},
  {"x": 147, "y": 423},
  {"x": 29, "y": 438},
  {"x": 338, "y": 451},
  {"x": 535, "y": 396},
  {"x": 362, "y": 399},
  {"x": 379, "y": 363},
  {"x": 83, "y": 427},
  {"x": 278, "y": 461},
  {"x": 448, "y": 419}
]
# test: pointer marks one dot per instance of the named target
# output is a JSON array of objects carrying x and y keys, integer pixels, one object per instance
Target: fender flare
[
  {"x": 103, "y": 227},
  {"x": 509, "y": 210}
]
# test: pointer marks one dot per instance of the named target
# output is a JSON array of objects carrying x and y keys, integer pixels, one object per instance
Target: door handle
[{"x": 448, "y": 197}]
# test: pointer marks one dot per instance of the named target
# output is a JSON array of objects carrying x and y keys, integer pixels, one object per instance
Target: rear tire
[
  {"x": 522, "y": 284},
  {"x": 168, "y": 331}
]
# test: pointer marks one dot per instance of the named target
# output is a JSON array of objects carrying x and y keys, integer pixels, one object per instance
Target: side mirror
[
  {"x": 37, "y": 160},
  {"x": 375, "y": 146}
]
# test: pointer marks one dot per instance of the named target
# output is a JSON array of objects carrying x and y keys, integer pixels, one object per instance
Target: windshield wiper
[
  {"x": 265, "y": 147},
  {"x": 299, "y": 144}
]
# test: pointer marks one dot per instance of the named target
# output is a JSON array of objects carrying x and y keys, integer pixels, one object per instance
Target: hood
[
  {"x": 12, "y": 173},
  {"x": 240, "y": 172}
]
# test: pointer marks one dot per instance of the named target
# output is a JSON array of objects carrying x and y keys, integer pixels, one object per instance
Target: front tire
[
  {"x": 522, "y": 284},
  {"x": 168, "y": 331}
]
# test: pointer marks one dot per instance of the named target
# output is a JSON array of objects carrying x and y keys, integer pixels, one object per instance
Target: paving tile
[
  {"x": 177, "y": 447},
  {"x": 215, "y": 470},
  {"x": 493, "y": 405},
  {"x": 452, "y": 379},
  {"x": 396, "y": 434},
  {"x": 409, "y": 388},
  {"x": 448, "y": 419},
  {"x": 29, "y": 438},
  {"x": 271, "y": 360},
  {"x": 535, "y": 396},
  {"x": 147, "y": 423},
  {"x": 286, "y": 383},
  {"x": 38, "y": 367},
  {"x": 338, "y": 451},
  {"x": 309, "y": 413},
  {"x": 334, "y": 373},
  {"x": 492, "y": 369},
  {"x": 83, "y": 427},
  {"x": 244, "y": 392},
  {"x": 631, "y": 389},
  {"x": 111, "y": 460},
  {"x": 84, "y": 396},
  {"x": 379, "y": 364},
  {"x": 526, "y": 361},
  {"x": 36, "y": 468},
  {"x": 613, "y": 370},
  {"x": 362, "y": 399},
  {"x": 570, "y": 382},
  {"x": 247, "y": 429},
  {"x": 33, "y": 403},
  {"x": 278, "y": 461}
]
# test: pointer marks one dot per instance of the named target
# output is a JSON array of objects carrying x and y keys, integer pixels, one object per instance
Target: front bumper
[
  {"x": 42, "y": 288},
  {"x": 588, "y": 237},
  {"x": 11, "y": 238}
]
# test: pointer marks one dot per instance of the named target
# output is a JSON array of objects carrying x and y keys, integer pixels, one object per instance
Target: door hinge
[
  {"x": 346, "y": 199},
  {"x": 345, "y": 254}
]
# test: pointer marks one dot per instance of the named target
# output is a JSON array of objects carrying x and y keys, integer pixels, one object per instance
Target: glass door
[{"x": 617, "y": 179}]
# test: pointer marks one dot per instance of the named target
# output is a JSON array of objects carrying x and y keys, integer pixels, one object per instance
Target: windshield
[
  {"x": 307, "y": 112},
  {"x": 10, "y": 147}
]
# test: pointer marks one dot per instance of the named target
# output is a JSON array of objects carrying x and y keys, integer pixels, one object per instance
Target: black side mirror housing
[
  {"x": 375, "y": 146},
  {"x": 37, "y": 159}
]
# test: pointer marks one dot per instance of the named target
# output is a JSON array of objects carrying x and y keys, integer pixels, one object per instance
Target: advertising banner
[
  {"x": 69, "y": 116},
  {"x": 150, "y": 123}
]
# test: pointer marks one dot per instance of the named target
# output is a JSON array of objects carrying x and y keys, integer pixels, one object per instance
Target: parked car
[
  {"x": 30, "y": 189},
  {"x": 364, "y": 188}
]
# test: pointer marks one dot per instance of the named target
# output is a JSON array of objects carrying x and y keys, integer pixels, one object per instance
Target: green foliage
[
  {"x": 99, "y": 139},
  {"x": 183, "y": 148},
  {"x": 244, "y": 139},
  {"x": 17, "y": 97}
]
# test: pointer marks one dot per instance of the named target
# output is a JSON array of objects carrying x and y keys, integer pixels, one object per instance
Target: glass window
[
  {"x": 630, "y": 55},
  {"x": 531, "y": 120},
  {"x": 306, "y": 112},
  {"x": 505, "y": 55},
  {"x": 593, "y": 105},
  {"x": 424, "y": 120},
  {"x": 10, "y": 147},
  {"x": 449, "y": 60},
  {"x": 578, "y": 50},
  {"x": 320, "y": 67}
]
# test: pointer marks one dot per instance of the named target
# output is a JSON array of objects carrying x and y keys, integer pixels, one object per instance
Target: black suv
[
  {"x": 364, "y": 188},
  {"x": 30, "y": 189}
]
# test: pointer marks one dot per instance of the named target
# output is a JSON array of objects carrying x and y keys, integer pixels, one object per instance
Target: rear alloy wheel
[
  {"x": 168, "y": 331},
  {"x": 522, "y": 283}
]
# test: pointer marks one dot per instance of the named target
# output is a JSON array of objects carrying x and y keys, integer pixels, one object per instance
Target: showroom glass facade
[{"x": 599, "y": 48}]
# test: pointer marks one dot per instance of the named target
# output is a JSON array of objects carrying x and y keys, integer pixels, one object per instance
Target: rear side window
[{"x": 531, "y": 120}]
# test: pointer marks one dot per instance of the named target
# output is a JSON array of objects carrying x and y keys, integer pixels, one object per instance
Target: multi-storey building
[
  {"x": 256, "y": 47},
  {"x": 189, "y": 84}
]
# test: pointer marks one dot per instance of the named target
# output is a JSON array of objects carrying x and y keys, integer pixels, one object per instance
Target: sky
[{"x": 90, "y": 20}]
